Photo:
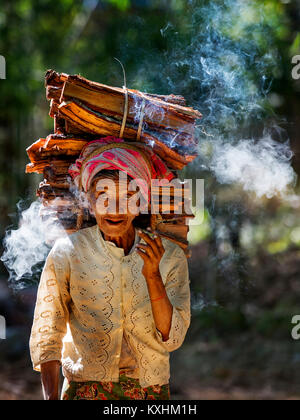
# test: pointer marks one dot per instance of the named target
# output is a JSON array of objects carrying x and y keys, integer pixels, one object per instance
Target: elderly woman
[{"x": 121, "y": 293}]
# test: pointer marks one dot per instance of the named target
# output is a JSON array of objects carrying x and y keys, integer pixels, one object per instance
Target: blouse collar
[{"x": 112, "y": 247}]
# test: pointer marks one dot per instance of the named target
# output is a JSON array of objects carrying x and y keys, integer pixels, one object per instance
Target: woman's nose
[{"x": 116, "y": 205}]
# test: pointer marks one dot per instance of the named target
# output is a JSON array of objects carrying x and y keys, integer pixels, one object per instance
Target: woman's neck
[{"x": 124, "y": 241}]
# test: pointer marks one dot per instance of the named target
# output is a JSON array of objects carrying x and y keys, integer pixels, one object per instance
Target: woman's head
[
  {"x": 109, "y": 198},
  {"x": 101, "y": 159}
]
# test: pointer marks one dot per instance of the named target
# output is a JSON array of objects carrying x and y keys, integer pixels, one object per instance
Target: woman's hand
[
  {"x": 151, "y": 253},
  {"x": 162, "y": 309},
  {"x": 50, "y": 379}
]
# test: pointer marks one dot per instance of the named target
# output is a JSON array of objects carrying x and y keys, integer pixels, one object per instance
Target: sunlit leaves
[{"x": 121, "y": 4}]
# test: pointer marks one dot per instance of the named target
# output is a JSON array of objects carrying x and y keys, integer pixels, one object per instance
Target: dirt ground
[{"x": 211, "y": 379}]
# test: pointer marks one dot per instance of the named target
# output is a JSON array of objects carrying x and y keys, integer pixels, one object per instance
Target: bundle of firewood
[{"x": 83, "y": 111}]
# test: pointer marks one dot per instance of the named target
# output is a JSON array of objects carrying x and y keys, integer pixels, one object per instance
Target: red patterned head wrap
[{"x": 136, "y": 159}]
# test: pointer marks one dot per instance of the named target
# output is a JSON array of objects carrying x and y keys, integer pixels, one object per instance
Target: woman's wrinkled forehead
[
  {"x": 113, "y": 175},
  {"x": 113, "y": 182},
  {"x": 116, "y": 182}
]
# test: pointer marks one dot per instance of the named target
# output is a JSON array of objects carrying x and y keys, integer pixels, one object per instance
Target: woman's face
[{"x": 109, "y": 203}]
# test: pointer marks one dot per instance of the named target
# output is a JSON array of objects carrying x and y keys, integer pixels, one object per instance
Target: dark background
[{"x": 245, "y": 262}]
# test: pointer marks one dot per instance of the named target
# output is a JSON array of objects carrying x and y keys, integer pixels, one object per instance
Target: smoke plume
[
  {"x": 225, "y": 64},
  {"x": 27, "y": 247}
]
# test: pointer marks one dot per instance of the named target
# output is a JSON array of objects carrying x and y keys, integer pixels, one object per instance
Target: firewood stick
[
  {"x": 87, "y": 120},
  {"x": 52, "y": 92},
  {"x": 77, "y": 82},
  {"x": 98, "y": 117},
  {"x": 49, "y": 147},
  {"x": 61, "y": 167},
  {"x": 156, "y": 113},
  {"x": 59, "y": 125},
  {"x": 55, "y": 79}
]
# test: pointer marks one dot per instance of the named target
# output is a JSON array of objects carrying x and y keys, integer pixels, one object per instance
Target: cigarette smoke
[
  {"x": 225, "y": 69},
  {"x": 27, "y": 247},
  {"x": 199, "y": 302},
  {"x": 263, "y": 167}
]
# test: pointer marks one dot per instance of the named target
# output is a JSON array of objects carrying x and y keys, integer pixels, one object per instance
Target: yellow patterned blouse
[{"x": 91, "y": 289}]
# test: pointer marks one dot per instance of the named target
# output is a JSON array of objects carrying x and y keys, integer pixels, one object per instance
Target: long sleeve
[
  {"x": 178, "y": 291},
  {"x": 51, "y": 310}
]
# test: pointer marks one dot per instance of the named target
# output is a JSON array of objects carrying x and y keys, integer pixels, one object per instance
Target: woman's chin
[{"x": 114, "y": 228}]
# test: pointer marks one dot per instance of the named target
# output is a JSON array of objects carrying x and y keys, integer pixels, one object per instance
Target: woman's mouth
[{"x": 114, "y": 222}]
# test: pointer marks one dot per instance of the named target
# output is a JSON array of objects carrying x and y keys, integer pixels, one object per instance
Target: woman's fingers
[
  {"x": 158, "y": 241},
  {"x": 151, "y": 242},
  {"x": 148, "y": 250},
  {"x": 145, "y": 257}
]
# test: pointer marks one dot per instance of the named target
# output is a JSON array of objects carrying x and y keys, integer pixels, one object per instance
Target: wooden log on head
[
  {"x": 60, "y": 166},
  {"x": 86, "y": 120},
  {"x": 168, "y": 209},
  {"x": 54, "y": 83},
  {"x": 172, "y": 158},
  {"x": 73, "y": 129},
  {"x": 169, "y": 131},
  {"x": 59, "y": 125},
  {"x": 53, "y": 108},
  {"x": 53, "y": 147},
  {"x": 81, "y": 88},
  {"x": 41, "y": 154},
  {"x": 52, "y": 177},
  {"x": 157, "y": 115},
  {"x": 174, "y": 188},
  {"x": 173, "y": 228},
  {"x": 55, "y": 79},
  {"x": 53, "y": 93},
  {"x": 55, "y": 184},
  {"x": 172, "y": 99},
  {"x": 49, "y": 191},
  {"x": 172, "y": 125},
  {"x": 159, "y": 104},
  {"x": 177, "y": 230}
]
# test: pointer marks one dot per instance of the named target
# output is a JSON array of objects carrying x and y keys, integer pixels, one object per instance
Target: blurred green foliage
[{"x": 121, "y": 4}]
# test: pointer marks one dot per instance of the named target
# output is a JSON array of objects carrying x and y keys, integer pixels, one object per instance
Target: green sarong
[{"x": 125, "y": 389}]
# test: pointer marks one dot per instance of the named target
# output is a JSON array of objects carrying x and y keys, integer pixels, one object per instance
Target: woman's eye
[
  {"x": 100, "y": 193},
  {"x": 130, "y": 194}
]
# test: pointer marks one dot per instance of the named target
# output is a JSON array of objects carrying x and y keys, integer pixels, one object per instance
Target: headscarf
[{"x": 136, "y": 159}]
